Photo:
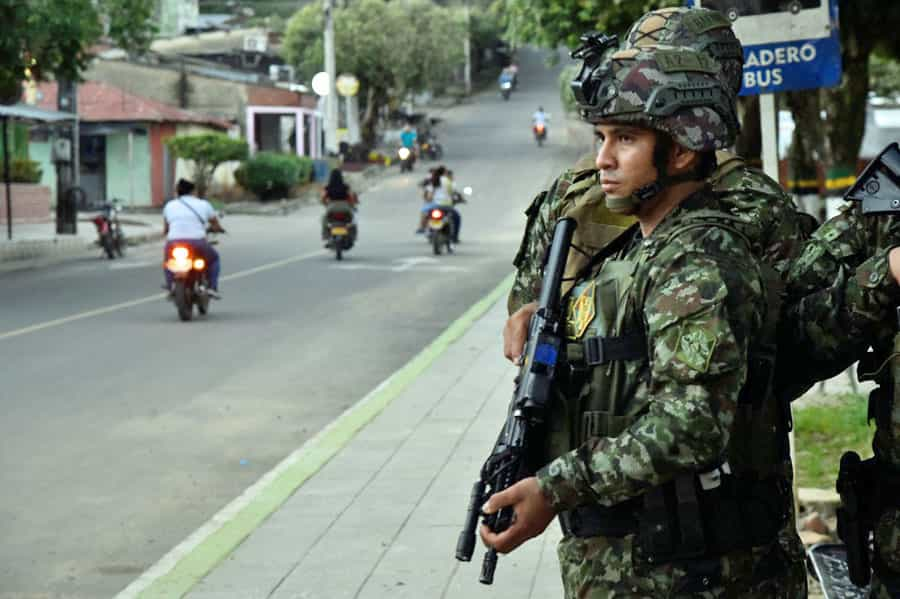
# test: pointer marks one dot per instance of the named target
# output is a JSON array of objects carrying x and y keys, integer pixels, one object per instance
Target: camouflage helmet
[
  {"x": 674, "y": 90},
  {"x": 701, "y": 29}
]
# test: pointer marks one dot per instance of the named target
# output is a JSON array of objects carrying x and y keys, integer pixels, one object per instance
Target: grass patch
[{"x": 823, "y": 433}]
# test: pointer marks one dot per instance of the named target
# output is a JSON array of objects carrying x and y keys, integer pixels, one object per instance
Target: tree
[
  {"x": 207, "y": 151},
  {"x": 392, "y": 48},
  {"x": 44, "y": 37}
]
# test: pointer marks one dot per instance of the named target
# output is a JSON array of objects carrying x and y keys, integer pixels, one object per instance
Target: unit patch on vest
[
  {"x": 695, "y": 346},
  {"x": 582, "y": 311}
]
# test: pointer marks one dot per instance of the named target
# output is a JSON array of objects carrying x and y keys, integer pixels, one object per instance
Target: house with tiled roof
[{"x": 121, "y": 143}]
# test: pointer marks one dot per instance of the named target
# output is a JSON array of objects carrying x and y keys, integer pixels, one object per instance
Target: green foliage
[
  {"x": 565, "y": 88},
  {"x": 53, "y": 36},
  {"x": 884, "y": 76},
  {"x": 552, "y": 23},
  {"x": 22, "y": 170},
  {"x": 392, "y": 48},
  {"x": 270, "y": 175},
  {"x": 207, "y": 151},
  {"x": 823, "y": 432}
]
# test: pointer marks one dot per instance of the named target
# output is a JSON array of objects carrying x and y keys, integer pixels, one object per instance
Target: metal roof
[{"x": 28, "y": 112}]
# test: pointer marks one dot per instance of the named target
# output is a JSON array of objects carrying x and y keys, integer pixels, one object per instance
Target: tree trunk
[
  {"x": 749, "y": 142},
  {"x": 846, "y": 108},
  {"x": 370, "y": 117},
  {"x": 807, "y": 149}
]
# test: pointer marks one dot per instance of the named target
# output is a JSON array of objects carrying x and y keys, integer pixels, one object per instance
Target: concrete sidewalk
[
  {"x": 381, "y": 517},
  {"x": 36, "y": 244}
]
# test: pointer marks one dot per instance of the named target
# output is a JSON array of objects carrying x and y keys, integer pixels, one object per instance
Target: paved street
[{"x": 125, "y": 430}]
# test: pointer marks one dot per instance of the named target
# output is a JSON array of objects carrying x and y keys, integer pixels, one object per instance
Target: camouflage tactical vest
[{"x": 600, "y": 401}]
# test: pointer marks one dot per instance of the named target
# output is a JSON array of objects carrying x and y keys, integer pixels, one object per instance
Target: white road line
[{"x": 144, "y": 300}]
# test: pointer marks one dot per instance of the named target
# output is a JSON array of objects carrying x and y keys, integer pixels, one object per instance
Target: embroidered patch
[
  {"x": 582, "y": 311},
  {"x": 695, "y": 347}
]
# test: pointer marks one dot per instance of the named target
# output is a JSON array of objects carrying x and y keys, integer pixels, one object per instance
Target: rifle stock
[{"x": 508, "y": 462}]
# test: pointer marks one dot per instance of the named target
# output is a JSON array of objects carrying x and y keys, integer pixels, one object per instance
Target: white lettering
[
  {"x": 779, "y": 56},
  {"x": 749, "y": 80},
  {"x": 777, "y": 79},
  {"x": 793, "y": 54},
  {"x": 766, "y": 57},
  {"x": 765, "y": 78},
  {"x": 808, "y": 52},
  {"x": 752, "y": 61}
]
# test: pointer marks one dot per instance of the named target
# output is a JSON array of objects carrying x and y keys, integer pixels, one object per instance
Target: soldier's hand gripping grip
[
  {"x": 852, "y": 527},
  {"x": 465, "y": 545}
]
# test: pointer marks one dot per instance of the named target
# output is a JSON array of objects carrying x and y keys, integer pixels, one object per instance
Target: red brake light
[
  {"x": 436, "y": 214},
  {"x": 341, "y": 217},
  {"x": 180, "y": 252}
]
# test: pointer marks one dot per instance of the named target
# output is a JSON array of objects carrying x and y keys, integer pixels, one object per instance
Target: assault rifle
[
  {"x": 522, "y": 432},
  {"x": 878, "y": 187}
]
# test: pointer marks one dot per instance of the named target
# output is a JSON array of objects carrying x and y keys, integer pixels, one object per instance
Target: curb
[
  {"x": 184, "y": 566},
  {"x": 25, "y": 254}
]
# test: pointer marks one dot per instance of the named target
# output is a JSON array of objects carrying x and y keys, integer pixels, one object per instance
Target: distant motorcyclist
[
  {"x": 337, "y": 197},
  {"x": 540, "y": 117},
  {"x": 408, "y": 138},
  {"x": 186, "y": 219},
  {"x": 439, "y": 193}
]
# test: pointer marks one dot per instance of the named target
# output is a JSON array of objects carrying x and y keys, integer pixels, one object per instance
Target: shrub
[
  {"x": 270, "y": 176},
  {"x": 22, "y": 170},
  {"x": 208, "y": 151}
]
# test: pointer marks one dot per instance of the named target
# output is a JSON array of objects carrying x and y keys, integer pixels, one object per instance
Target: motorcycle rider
[
  {"x": 337, "y": 197},
  {"x": 439, "y": 194},
  {"x": 540, "y": 118},
  {"x": 186, "y": 219}
]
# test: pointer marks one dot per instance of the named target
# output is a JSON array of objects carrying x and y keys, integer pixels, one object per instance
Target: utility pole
[
  {"x": 467, "y": 49},
  {"x": 331, "y": 100}
]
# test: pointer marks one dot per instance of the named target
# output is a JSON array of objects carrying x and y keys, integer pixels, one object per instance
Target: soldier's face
[{"x": 624, "y": 158}]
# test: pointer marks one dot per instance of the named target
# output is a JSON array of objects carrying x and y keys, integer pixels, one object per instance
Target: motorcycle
[
  {"x": 190, "y": 279},
  {"x": 506, "y": 89},
  {"x": 540, "y": 133},
  {"x": 432, "y": 150},
  {"x": 341, "y": 232},
  {"x": 407, "y": 158},
  {"x": 441, "y": 228},
  {"x": 109, "y": 231}
]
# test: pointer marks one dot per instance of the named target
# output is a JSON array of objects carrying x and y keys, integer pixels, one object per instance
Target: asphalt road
[{"x": 124, "y": 430}]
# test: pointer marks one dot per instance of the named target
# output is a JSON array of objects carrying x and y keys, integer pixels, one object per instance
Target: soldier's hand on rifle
[
  {"x": 533, "y": 514},
  {"x": 893, "y": 263},
  {"x": 515, "y": 332}
]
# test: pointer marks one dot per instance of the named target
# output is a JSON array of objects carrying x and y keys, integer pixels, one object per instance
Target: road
[{"x": 124, "y": 429}]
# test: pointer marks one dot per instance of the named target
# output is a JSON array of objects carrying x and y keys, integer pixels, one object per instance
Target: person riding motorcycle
[
  {"x": 187, "y": 219},
  {"x": 337, "y": 197},
  {"x": 439, "y": 194},
  {"x": 539, "y": 119}
]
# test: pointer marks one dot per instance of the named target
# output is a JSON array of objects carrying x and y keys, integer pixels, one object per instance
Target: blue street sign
[
  {"x": 787, "y": 45},
  {"x": 787, "y": 66}
]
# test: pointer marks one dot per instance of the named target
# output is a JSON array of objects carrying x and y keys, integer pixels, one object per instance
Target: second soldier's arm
[
  {"x": 699, "y": 315},
  {"x": 542, "y": 215},
  {"x": 840, "y": 294}
]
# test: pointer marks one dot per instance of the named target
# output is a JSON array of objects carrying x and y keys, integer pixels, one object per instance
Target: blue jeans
[{"x": 202, "y": 247}]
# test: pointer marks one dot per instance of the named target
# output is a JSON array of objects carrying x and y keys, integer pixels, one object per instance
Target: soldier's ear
[{"x": 682, "y": 160}]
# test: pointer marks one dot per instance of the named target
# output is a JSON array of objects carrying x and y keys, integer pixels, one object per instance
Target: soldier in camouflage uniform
[
  {"x": 846, "y": 289},
  {"x": 768, "y": 218},
  {"x": 661, "y": 326}
]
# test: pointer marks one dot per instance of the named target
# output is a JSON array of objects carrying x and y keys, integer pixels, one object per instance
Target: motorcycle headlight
[{"x": 403, "y": 153}]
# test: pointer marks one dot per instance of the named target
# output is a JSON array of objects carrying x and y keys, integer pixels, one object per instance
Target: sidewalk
[
  {"x": 37, "y": 243},
  {"x": 372, "y": 506},
  {"x": 381, "y": 518}
]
